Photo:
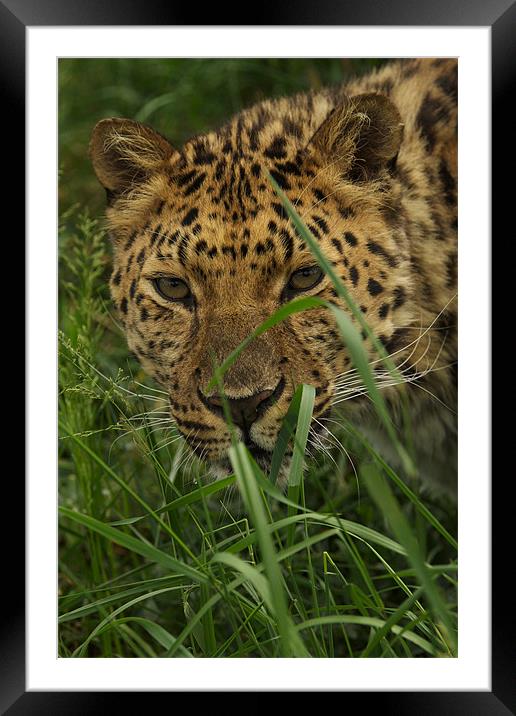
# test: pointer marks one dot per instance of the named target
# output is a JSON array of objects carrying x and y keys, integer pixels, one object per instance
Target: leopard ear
[
  {"x": 363, "y": 135},
  {"x": 124, "y": 153}
]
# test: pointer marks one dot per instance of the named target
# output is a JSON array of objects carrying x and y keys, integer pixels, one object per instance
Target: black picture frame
[{"x": 500, "y": 16}]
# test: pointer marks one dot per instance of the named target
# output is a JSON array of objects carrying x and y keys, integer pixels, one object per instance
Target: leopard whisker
[
  {"x": 133, "y": 429},
  {"x": 176, "y": 461},
  {"x": 353, "y": 372},
  {"x": 149, "y": 414},
  {"x": 427, "y": 329},
  {"x": 387, "y": 381},
  {"x": 167, "y": 441},
  {"x": 441, "y": 402},
  {"x": 354, "y": 395},
  {"x": 341, "y": 449},
  {"x": 155, "y": 390},
  {"x": 189, "y": 438},
  {"x": 414, "y": 342},
  {"x": 336, "y": 422},
  {"x": 354, "y": 379},
  {"x": 316, "y": 441}
]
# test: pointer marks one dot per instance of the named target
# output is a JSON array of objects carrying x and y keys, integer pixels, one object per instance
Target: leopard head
[{"x": 204, "y": 252}]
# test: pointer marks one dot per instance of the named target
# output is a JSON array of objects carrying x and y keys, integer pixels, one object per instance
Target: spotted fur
[{"x": 372, "y": 169}]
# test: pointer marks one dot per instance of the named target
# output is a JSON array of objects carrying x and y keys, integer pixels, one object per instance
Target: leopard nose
[{"x": 244, "y": 411}]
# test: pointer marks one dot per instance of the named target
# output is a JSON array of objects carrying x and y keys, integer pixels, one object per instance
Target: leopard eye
[
  {"x": 171, "y": 288},
  {"x": 304, "y": 279}
]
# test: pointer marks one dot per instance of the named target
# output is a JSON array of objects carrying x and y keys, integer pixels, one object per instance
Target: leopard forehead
[
  {"x": 213, "y": 232},
  {"x": 214, "y": 213}
]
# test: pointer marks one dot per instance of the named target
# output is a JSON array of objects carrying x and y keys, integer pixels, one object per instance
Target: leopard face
[{"x": 204, "y": 252}]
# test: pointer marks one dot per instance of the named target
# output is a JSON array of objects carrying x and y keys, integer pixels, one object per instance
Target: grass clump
[{"x": 157, "y": 561}]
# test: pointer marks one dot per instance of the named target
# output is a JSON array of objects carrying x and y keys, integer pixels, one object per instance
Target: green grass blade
[
  {"x": 287, "y": 429},
  {"x": 81, "y": 650},
  {"x": 354, "y": 529},
  {"x": 371, "y": 622},
  {"x": 419, "y": 505},
  {"x": 395, "y": 617},
  {"x": 241, "y": 461},
  {"x": 130, "y": 492},
  {"x": 304, "y": 418},
  {"x": 384, "y": 498},
  {"x": 416, "y": 501},
  {"x": 295, "y": 476},
  {"x": 179, "y": 503},
  {"x": 97, "y": 605},
  {"x": 135, "y": 545},
  {"x": 156, "y": 631},
  {"x": 250, "y": 573}
]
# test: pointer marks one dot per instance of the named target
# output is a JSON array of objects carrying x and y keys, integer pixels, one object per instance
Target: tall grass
[{"x": 158, "y": 561}]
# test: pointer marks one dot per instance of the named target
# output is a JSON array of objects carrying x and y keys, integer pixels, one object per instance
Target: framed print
[{"x": 150, "y": 349}]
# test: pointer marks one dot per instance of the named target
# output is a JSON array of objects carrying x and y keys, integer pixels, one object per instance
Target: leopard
[{"x": 204, "y": 251}]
